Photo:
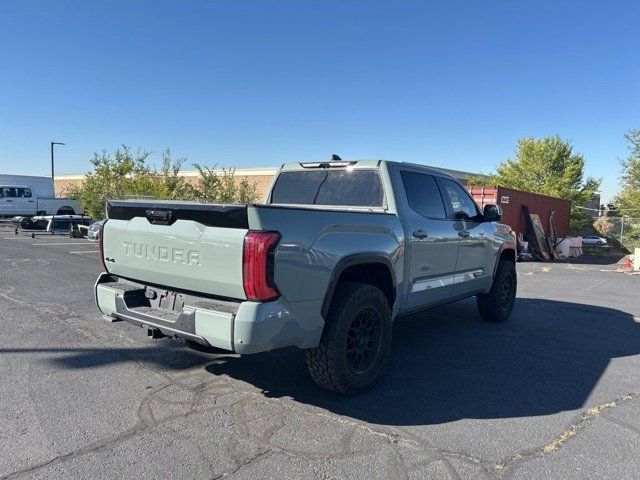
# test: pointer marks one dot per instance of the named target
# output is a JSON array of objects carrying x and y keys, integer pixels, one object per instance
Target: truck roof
[
  {"x": 369, "y": 163},
  {"x": 437, "y": 170}
]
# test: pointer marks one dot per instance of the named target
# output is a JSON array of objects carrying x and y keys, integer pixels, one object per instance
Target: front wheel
[
  {"x": 497, "y": 305},
  {"x": 356, "y": 341}
]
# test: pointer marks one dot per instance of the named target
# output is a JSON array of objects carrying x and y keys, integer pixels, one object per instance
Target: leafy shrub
[{"x": 126, "y": 175}]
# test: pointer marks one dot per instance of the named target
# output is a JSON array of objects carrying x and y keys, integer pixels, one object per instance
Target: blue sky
[{"x": 259, "y": 83}]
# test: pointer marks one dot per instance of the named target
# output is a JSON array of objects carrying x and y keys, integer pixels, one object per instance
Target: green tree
[
  {"x": 216, "y": 187},
  {"x": 549, "y": 166},
  {"x": 479, "y": 180},
  {"x": 612, "y": 210},
  {"x": 627, "y": 201},
  {"x": 113, "y": 176},
  {"x": 628, "y": 198},
  {"x": 126, "y": 175},
  {"x": 167, "y": 183}
]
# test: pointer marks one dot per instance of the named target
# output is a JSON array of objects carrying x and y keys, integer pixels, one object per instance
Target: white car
[
  {"x": 594, "y": 240},
  {"x": 94, "y": 230}
]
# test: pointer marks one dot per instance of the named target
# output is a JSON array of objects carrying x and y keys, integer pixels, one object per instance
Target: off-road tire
[
  {"x": 26, "y": 223},
  {"x": 497, "y": 305},
  {"x": 332, "y": 364}
]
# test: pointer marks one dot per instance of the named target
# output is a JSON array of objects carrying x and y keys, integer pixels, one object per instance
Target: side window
[
  {"x": 11, "y": 192},
  {"x": 423, "y": 194},
  {"x": 462, "y": 206},
  {"x": 27, "y": 192},
  {"x": 24, "y": 192}
]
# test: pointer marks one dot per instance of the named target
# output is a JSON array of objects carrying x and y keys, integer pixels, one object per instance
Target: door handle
[
  {"x": 464, "y": 234},
  {"x": 420, "y": 234}
]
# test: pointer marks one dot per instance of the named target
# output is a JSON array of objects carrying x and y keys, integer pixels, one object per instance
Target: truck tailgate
[{"x": 180, "y": 245}]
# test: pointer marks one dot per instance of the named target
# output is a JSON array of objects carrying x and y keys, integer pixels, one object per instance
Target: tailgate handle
[{"x": 157, "y": 216}]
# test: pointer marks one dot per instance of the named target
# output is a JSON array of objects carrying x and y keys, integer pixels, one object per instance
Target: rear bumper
[{"x": 237, "y": 326}]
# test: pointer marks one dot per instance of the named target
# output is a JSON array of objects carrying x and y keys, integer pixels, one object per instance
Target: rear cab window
[{"x": 343, "y": 187}]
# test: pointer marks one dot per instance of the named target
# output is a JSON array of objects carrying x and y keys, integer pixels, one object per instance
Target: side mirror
[{"x": 492, "y": 213}]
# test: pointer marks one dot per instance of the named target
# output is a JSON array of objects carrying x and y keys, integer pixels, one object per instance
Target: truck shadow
[
  {"x": 173, "y": 357},
  {"x": 447, "y": 364}
]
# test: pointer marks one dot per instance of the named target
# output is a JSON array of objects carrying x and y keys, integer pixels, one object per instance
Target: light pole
[{"x": 52, "y": 144}]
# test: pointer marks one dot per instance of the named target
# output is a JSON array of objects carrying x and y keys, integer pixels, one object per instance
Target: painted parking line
[
  {"x": 17, "y": 238},
  {"x": 85, "y": 251}
]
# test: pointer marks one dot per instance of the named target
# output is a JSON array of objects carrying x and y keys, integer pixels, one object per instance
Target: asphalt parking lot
[{"x": 554, "y": 393}]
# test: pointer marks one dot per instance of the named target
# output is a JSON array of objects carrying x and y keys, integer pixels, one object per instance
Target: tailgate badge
[{"x": 160, "y": 217}]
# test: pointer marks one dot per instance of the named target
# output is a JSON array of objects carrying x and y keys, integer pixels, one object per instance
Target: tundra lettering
[
  {"x": 339, "y": 250},
  {"x": 162, "y": 254}
]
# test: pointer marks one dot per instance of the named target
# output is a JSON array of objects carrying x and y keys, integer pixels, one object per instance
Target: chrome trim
[
  {"x": 467, "y": 276},
  {"x": 431, "y": 283},
  {"x": 446, "y": 280}
]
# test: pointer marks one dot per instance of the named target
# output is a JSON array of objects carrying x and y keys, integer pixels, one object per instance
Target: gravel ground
[{"x": 553, "y": 393}]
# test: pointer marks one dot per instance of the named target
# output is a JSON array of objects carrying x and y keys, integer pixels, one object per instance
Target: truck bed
[{"x": 197, "y": 247}]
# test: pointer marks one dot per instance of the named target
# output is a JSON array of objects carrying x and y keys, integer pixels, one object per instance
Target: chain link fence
[{"x": 622, "y": 231}]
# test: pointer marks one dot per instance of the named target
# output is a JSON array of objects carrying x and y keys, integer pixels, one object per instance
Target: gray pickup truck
[{"x": 337, "y": 252}]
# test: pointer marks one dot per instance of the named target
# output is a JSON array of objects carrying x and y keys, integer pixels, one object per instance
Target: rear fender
[{"x": 353, "y": 260}]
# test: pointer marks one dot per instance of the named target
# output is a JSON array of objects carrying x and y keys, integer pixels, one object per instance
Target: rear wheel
[
  {"x": 26, "y": 223},
  {"x": 497, "y": 305},
  {"x": 356, "y": 341}
]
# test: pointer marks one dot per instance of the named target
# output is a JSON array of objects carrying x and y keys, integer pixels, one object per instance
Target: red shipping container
[{"x": 512, "y": 200}]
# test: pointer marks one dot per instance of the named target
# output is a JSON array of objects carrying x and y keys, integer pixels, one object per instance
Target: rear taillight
[
  {"x": 257, "y": 266},
  {"x": 100, "y": 246}
]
